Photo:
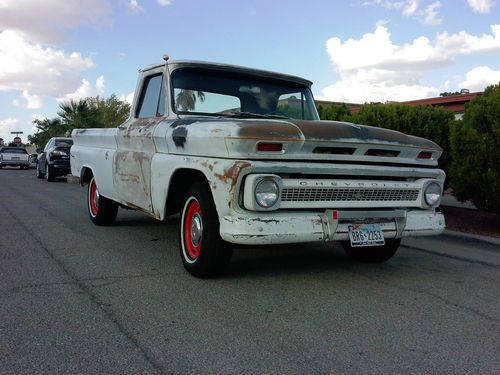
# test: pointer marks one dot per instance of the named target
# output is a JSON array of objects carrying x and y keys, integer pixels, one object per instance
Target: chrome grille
[{"x": 347, "y": 195}]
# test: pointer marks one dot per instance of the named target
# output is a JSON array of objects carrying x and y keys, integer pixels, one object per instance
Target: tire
[
  {"x": 203, "y": 252},
  {"x": 102, "y": 211},
  {"x": 48, "y": 175},
  {"x": 373, "y": 254},
  {"x": 39, "y": 173}
]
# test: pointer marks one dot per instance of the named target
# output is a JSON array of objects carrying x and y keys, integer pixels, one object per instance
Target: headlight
[
  {"x": 266, "y": 193},
  {"x": 432, "y": 193}
]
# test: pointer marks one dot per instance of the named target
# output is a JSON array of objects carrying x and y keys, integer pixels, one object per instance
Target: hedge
[{"x": 475, "y": 152}]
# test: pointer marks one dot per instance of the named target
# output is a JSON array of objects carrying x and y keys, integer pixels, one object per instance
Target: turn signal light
[
  {"x": 425, "y": 155},
  {"x": 270, "y": 147}
]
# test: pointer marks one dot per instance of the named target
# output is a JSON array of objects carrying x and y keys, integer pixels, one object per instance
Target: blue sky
[{"x": 353, "y": 50}]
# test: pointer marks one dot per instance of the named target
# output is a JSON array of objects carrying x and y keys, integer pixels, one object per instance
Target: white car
[{"x": 14, "y": 157}]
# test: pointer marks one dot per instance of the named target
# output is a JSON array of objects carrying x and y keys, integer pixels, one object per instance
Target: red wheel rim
[
  {"x": 193, "y": 229},
  {"x": 93, "y": 198}
]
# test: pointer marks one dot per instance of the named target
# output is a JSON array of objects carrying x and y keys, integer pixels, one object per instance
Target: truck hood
[{"x": 301, "y": 140}]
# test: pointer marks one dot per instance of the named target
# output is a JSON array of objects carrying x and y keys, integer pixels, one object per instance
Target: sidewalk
[{"x": 451, "y": 201}]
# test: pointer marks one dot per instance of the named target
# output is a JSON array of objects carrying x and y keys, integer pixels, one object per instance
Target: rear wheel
[
  {"x": 102, "y": 211},
  {"x": 49, "y": 173},
  {"x": 39, "y": 173},
  {"x": 203, "y": 252},
  {"x": 373, "y": 254}
]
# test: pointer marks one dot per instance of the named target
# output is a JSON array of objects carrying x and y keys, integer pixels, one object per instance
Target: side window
[{"x": 152, "y": 101}]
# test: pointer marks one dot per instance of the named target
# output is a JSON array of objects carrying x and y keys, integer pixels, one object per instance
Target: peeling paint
[{"x": 232, "y": 173}]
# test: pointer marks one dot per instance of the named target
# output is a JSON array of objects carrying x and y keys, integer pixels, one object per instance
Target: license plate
[
  {"x": 366, "y": 235},
  {"x": 14, "y": 158}
]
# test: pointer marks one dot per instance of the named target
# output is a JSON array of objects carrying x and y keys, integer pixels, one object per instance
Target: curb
[
  {"x": 72, "y": 179},
  {"x": 470, "y": 236}
]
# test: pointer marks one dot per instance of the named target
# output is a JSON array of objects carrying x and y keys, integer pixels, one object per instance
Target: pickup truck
[{"x": 242, "y": 156}]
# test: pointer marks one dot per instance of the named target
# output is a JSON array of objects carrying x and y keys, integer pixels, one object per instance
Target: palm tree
[
  {"x": 79, "y": 114},
  {"x": 186, "y": 99}
]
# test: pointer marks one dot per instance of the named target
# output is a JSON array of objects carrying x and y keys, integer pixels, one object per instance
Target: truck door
[{"x": 132, "y": 165}]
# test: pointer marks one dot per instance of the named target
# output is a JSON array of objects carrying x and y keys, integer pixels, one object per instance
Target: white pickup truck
[{"x": 242, "y": 156}]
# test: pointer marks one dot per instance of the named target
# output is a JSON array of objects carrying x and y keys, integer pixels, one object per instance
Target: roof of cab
[{"x": 174, "y": 64}]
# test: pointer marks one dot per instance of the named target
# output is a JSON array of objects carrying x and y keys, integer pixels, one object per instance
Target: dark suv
[{"x": 54, "y": 160}]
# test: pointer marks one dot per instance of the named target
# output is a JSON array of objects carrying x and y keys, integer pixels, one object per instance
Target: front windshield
[{"x": 232, "y": 94}]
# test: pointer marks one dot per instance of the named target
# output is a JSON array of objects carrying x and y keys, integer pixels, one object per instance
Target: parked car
[
  {"x": 53, "y": 161},
  {"x": 14, "y": 156},
  {"x": 33, "y": 160}
]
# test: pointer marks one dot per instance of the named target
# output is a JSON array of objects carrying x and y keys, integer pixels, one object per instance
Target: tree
[
  {"x": 79, "y": 114},
  {"x": 92, "y": 112},
  {"x": 111, "y": 111},
  {"x": 46, "y": 129},
  {"x": 475, "y": 151}
]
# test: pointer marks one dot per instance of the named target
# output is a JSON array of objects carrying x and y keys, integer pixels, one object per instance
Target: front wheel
[
  {"x": 203, "y": 252},
  {"x": 102, "y": 211},
  {"x": 373, "y": 254}
]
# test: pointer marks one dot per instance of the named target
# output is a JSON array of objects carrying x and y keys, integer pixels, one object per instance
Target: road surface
[{"x": 77, "y": 298}]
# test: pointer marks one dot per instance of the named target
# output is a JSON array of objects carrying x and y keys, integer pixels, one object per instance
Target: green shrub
[{"x": 475, "y": 152}]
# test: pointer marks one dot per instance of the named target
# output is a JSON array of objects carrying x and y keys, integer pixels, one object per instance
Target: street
[{"x": 81, "y": 299}]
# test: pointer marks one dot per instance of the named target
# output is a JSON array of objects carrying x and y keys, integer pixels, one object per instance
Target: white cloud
[
  {"x": 481, "y": 6},
  {"x": 411, "y": 7},
  {"x": 478, "y": 78},
  {"x": 127, "y": 98},
  {"x": 8, "y": 125},
  {"x": 32, "y": 101},
  {"x": 164, "y": 2},
  {"x": 373, "y": 68},
  {"x": 134, "y": 7},
  {"x": 38, "y": 71},
  {"x": 85, "y": 90},
  {"x": 44, "y": 21},
  {"x": 431, "y": 15}
]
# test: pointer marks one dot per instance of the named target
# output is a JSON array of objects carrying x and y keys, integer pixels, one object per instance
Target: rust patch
[
  {"x": 206, "y": 164},
  {"x": 278, "y": 130},
  {"x": 143, "y": 127},
  {"x": 232, "y": 173},
  {"x": 337, "y": 130}
]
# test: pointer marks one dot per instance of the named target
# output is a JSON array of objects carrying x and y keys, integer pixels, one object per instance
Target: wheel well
[
  {"x": 85, "y": 175},
  {"x": 180, "y": 182}
]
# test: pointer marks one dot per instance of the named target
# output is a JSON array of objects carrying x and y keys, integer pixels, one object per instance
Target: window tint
[
  {"x": 64, "y": 142},
  {"x": 150, "y": 97}
]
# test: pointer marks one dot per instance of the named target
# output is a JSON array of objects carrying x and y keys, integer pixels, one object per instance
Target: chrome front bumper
[{"x": 331, "y": 225}]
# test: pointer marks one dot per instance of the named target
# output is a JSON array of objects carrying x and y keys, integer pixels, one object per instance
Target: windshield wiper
[{"x": 240, "y": 114}]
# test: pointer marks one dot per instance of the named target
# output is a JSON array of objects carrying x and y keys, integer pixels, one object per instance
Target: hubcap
[
  {"x": 193, "y": 229},
  {"x": 94, "y": 198},
  {"x": 196, "y": 229}
]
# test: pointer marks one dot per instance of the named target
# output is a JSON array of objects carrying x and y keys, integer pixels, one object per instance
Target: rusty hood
[{"x": 322, "y": 140}]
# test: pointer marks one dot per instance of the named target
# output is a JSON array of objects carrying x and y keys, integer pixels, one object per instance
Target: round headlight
[
  {"x": 432, "y": 193},
  {"x": 266, "y": 193}
]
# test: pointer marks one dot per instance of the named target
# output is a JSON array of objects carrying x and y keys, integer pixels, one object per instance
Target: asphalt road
[{"x": 81, "y": 299}]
